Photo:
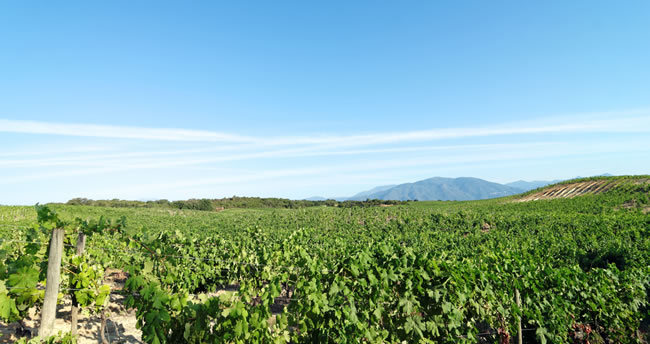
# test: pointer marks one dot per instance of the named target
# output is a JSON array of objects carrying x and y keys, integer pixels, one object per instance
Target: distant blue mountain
[
  {"x": 526, "y": 186},
  {"x": 316, "y": 198},
  {"x": 365, "y": 194},
  {"x": 439, "y": 188},
  {"x": 319, "y": 198},
  {"x": 446, "y": 189}
]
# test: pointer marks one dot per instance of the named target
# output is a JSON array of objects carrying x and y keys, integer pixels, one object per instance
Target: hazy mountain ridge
[
  {"x": 320, "y": 198},
  {"x": 316, "y": 198},
  {"x": 526, "y": 185},
  {"x": 364, "y": 194},
  {"x": 439, "y": 188},
  {"x": 447, "y": 189}
]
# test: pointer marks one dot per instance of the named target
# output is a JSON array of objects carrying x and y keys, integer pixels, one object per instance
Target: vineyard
[{"x": 565, "y": 270}]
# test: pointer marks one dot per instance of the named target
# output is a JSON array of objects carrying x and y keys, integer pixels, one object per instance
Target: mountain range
[
  {"x": 439, "y": 188},
  {"x": 446, "y": 189}
]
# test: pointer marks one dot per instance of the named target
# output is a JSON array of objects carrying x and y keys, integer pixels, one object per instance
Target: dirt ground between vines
[{"x": 120, "y": 327}]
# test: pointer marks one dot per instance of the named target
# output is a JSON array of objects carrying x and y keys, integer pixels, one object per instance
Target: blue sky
[{"x": 144, "y": 100}]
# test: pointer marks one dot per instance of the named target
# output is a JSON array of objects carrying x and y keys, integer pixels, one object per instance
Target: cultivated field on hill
[
  {"x": 587, "y": 186},
  {"x": 565, "y": 270}
]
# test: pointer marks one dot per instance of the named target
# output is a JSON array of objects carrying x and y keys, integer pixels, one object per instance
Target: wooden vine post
[
  {"x": 74, "y": 312},
  {"x": 48, "y": 312},
  {"x": 519, "y": 335}
]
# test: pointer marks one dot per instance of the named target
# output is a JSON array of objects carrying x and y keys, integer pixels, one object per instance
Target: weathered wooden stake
[
  {"x": 102, "y": 328},
  {"x": 74, "y": 312},
  {"x": 48, "y": 312},
  {"x": 519, "y": 335}
]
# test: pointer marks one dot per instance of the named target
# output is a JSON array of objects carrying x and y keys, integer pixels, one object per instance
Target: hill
[
  {"x": 439, "y": 188},
  {"x": 586, "y": 186}
]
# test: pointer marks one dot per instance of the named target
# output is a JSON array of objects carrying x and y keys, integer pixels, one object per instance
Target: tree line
[{"x": 231, "y": 202}]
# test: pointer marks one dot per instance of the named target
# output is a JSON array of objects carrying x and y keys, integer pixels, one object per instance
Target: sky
[{"x": 176, "y": 100}]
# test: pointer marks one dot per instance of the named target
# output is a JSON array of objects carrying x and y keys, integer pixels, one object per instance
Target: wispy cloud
[
  {"x": 117, "y": 132},
  {"x": 188, "y": 157},
  {"x": 371, "y": 159},
  {"x": 137, "y": 161},
  {"x": 637, "y": 121},
  {"x": 372, "y": 166},
  {"x": 59, "y": 150}
]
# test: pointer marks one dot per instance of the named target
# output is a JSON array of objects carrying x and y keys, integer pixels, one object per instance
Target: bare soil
[{"x": 120, "y": 326}]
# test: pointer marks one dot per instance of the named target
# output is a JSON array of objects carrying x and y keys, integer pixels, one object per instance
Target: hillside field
[{"x": 421, "y": 272}]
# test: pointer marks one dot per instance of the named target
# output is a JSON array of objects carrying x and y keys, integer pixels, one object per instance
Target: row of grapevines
[{"x": 23, "y": 266}]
